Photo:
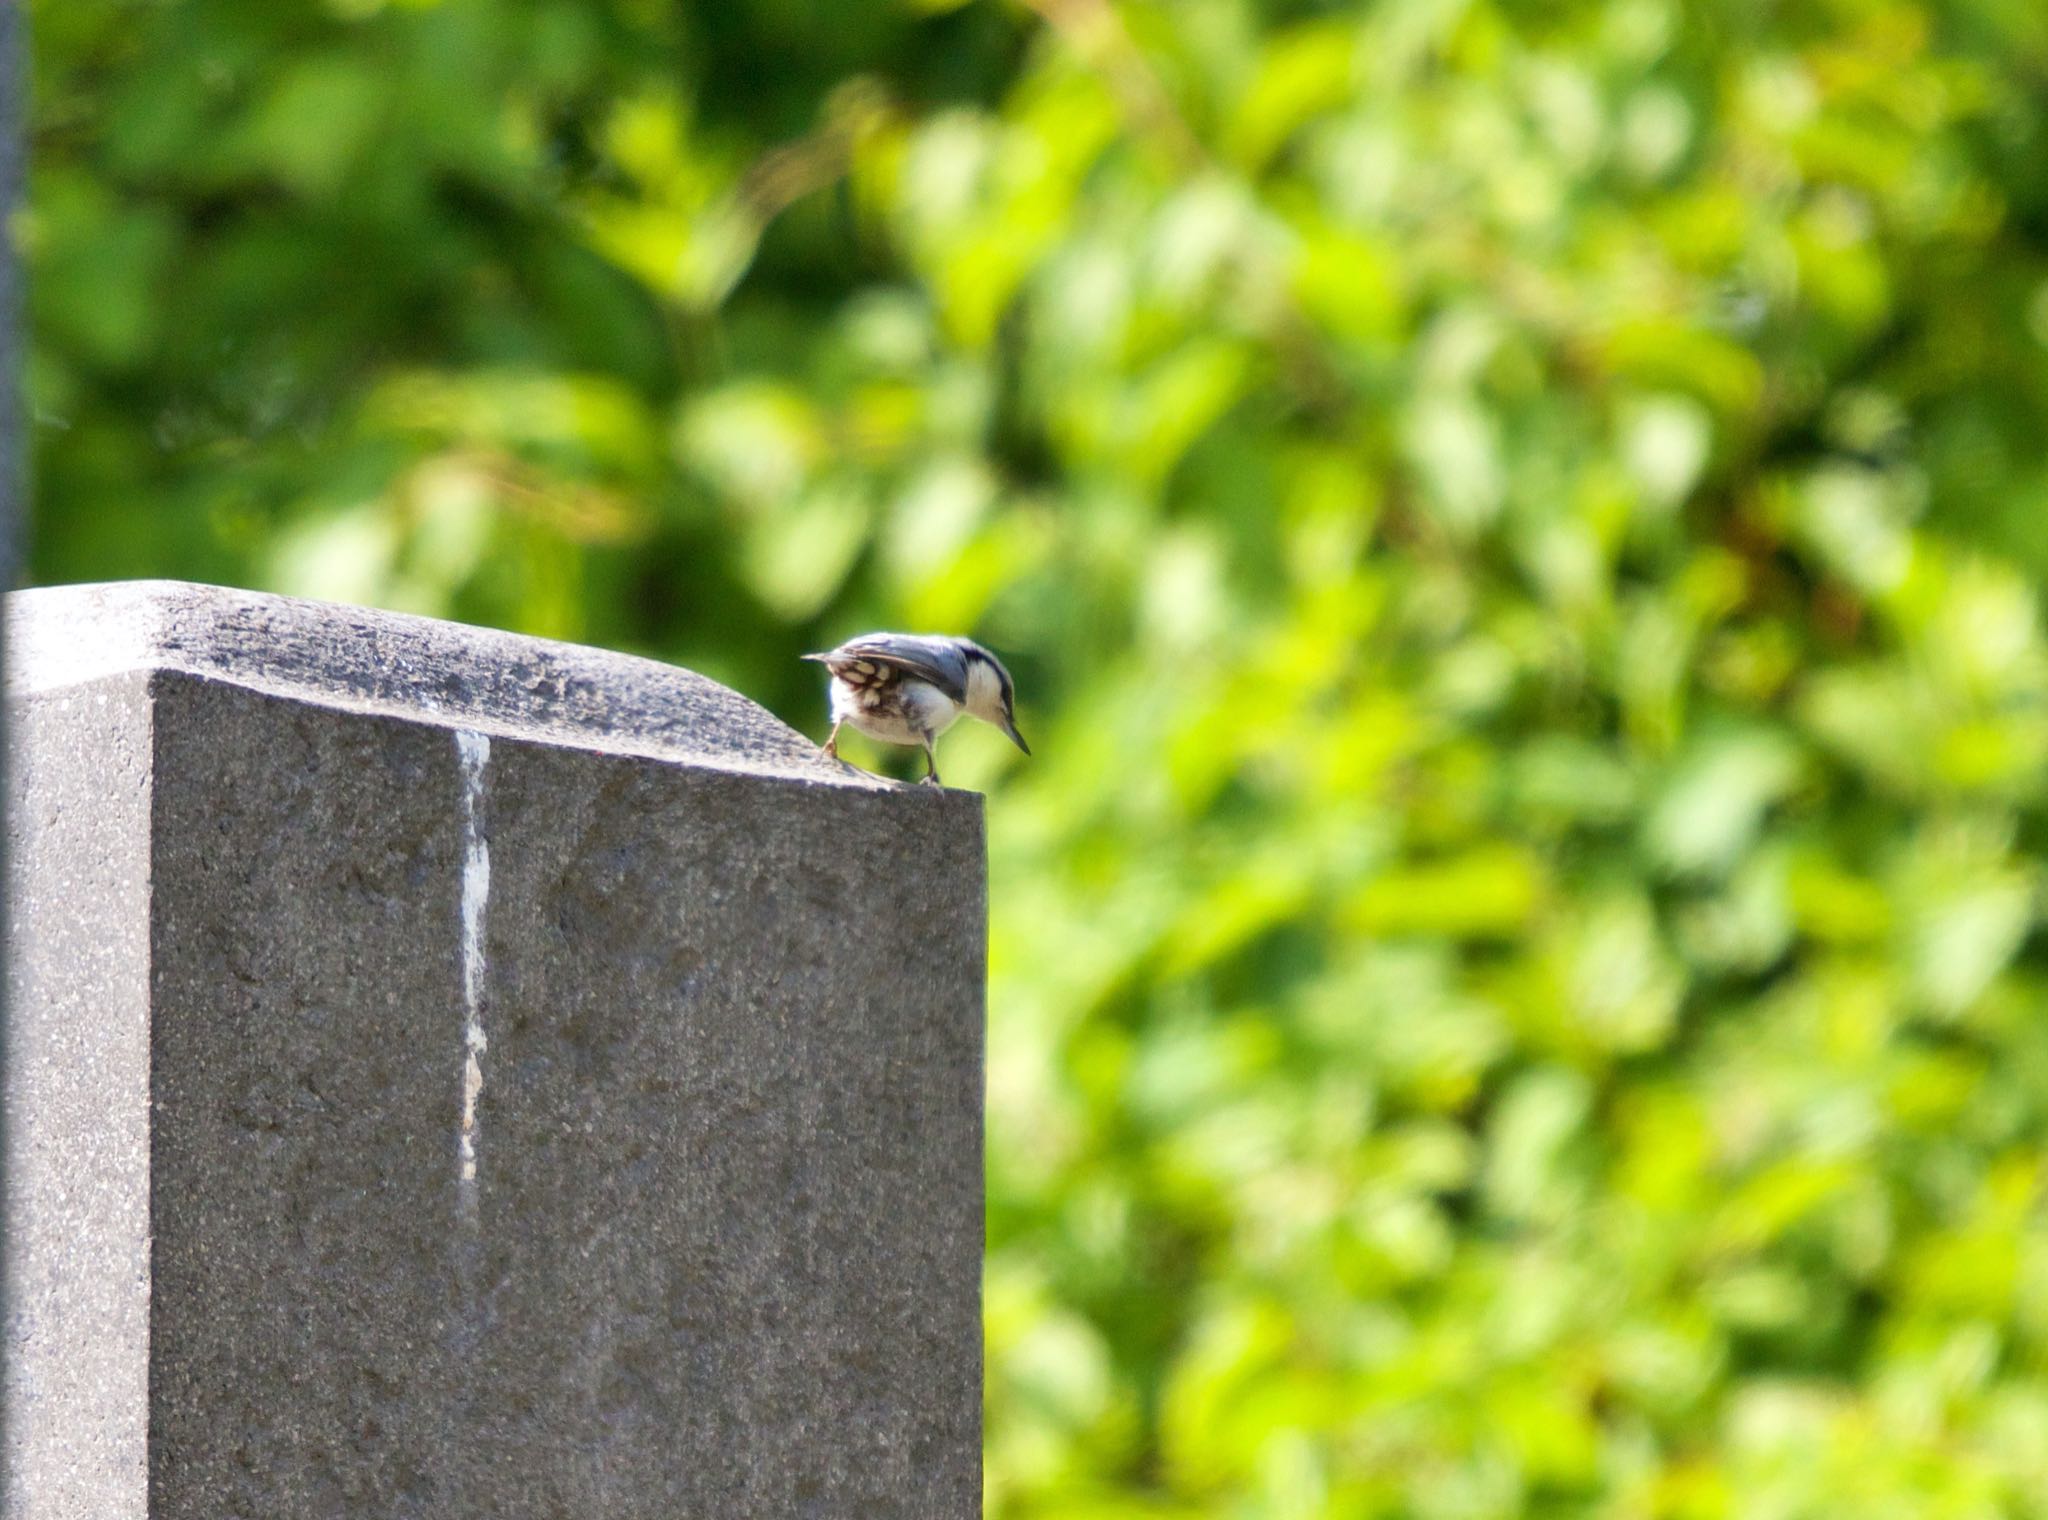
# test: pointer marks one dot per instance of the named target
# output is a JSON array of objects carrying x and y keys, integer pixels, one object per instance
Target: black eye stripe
[{"x": 1005, "y": 687}]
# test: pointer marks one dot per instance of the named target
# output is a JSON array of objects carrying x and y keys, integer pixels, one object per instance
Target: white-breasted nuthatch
[{"x": 907, "y": 688}]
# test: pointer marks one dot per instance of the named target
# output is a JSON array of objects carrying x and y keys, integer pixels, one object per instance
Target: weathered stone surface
[
  {"x": 360, "y": 660},
  {"x": 335, "y": 908},
  {"x": 76, "y": 1359}
]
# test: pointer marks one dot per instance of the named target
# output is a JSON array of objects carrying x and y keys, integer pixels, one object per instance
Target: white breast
[{"x": 900, "y": 713}]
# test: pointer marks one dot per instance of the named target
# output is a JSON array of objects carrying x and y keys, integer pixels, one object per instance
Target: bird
[{"x": 907, "y": 688}]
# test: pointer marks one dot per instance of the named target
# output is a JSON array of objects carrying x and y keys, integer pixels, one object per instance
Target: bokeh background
[{"x": 1519, "y": 983}]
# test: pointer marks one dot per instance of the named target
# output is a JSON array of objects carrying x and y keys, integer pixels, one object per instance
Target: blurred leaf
[
  {"x": 1713, "y": 806},
  {"x": 1490, "y": 891},
  {"x": 314, "y": 124}
]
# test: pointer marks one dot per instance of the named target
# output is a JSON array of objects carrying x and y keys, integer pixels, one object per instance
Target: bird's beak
[{"x": 1010, "y": 728}]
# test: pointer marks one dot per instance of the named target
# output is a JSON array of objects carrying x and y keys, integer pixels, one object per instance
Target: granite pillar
[{"x": 457, "y": 1075}]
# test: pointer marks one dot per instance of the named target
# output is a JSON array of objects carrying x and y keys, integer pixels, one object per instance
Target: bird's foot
[
  {"x": 830, "y": 748},
  {"x": 929, "y": 781}
]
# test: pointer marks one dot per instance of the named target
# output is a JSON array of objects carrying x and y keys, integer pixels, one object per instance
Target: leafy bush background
[{"x": 1517, "y": 972}]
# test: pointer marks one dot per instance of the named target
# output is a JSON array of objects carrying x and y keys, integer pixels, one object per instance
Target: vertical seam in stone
[{"x": 473, "y": 751}]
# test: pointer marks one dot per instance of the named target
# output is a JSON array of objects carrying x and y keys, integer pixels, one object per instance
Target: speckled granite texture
[{"x": 457, "y": 1075}]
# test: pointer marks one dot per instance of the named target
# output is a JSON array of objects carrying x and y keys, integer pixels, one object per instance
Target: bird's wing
[{"x": 934, "y": 660}]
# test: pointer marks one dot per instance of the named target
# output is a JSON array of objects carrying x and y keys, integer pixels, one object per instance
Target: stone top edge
[{"x": 397, "y": 664}]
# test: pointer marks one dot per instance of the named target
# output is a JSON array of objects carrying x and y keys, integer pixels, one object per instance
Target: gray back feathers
[{"x": 930, "y": 657}]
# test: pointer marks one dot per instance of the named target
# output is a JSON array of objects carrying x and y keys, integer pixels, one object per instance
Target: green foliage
[{"x": 1517, "y": 970}]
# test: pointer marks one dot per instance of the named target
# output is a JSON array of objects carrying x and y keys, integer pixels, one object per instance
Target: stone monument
[{"x": 459, "y": 1075}]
